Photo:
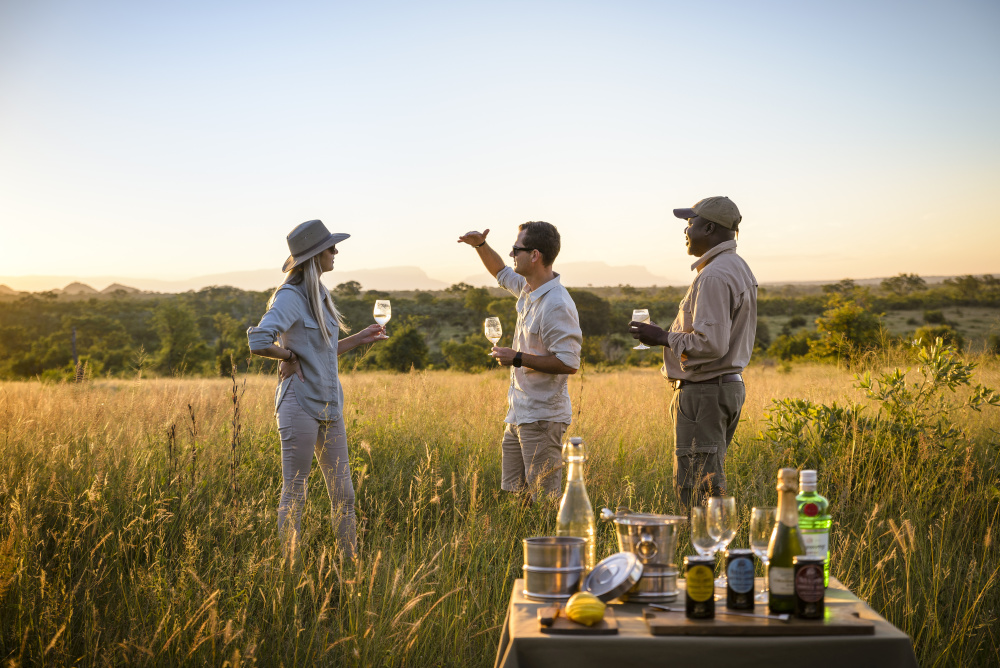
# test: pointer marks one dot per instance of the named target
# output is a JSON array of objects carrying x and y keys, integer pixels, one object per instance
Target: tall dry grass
[{"x": 125, "y": 537}]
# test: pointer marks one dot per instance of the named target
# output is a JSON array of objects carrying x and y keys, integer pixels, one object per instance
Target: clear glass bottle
[
  {"x": 576, "y": 515},
  {"x": 786, "y": 543},
  {"x": 814, "y": 521}
]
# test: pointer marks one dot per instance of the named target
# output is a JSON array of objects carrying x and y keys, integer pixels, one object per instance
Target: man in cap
[
  {"x": 707, "y": 348},
  {"x": 546, "y": 350}
]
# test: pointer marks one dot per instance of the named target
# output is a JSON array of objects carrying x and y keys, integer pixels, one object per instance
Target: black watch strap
[{"x": 517, "y": 359}]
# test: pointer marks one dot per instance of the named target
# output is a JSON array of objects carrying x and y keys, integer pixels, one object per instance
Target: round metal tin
[{"x": 613, "y": 576}]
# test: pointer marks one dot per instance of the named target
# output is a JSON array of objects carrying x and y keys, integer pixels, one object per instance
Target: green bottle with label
[
  {"x": 786, "y": 544},
  {"x": 814, "y": 521}
]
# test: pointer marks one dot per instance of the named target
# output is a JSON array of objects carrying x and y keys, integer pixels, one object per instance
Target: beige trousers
[{"x": 531, "y": 457}]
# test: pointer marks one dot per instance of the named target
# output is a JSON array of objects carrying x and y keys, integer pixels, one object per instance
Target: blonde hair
[{"x": 308, "y": 273}]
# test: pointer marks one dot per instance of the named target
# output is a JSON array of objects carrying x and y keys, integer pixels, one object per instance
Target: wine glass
[
  {"x": 761, "y": 525},
  {"x": 640, "y": 315},
  {"x": 492, "y": 329},
  {"x": 722, "y": 524},
  {"x": 382, "y": 312},
  {"x": 701, "y": 538}
]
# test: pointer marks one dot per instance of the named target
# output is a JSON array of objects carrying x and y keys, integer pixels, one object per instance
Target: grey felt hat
[{"x": 309, "y": 239}]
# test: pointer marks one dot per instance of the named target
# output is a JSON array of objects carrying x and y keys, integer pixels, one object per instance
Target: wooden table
[{"x": 523, "y": 645}]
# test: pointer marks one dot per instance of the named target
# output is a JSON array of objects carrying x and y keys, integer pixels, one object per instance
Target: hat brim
[
  {"x": 685, "y": 214},
  {"x": 295, "y": 260}
]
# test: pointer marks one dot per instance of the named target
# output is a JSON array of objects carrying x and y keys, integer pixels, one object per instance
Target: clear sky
[{"x": 175, "y": 139}]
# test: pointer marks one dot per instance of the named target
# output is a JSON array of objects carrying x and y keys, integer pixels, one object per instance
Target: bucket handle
[{"x": 646, "y": 547}]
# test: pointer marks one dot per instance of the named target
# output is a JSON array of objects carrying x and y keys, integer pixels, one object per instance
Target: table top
[{"x": 523, "y": 645}]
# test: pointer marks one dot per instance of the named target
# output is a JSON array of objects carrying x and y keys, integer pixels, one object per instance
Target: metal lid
[
  {"x": 739, "y": 551},
  {"x": 648, "y": 519},
  {"x": 613, "y": 576},
  {"x": 808, "y": 559},
  {"x": 690, "y": 560}
]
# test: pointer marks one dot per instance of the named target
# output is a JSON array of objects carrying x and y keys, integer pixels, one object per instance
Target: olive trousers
[{"x": 705, "y": 416}]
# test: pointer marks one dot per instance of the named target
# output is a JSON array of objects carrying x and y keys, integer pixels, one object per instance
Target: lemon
[{"x": 585, "y": 608}]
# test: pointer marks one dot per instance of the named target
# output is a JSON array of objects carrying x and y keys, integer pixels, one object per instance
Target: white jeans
[{"x": 301, "y": 436}]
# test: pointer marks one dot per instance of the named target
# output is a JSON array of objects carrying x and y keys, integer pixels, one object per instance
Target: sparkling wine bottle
[
  {"x": 786, "y": 543},
  {"x": 576, "y": 515},
  {"x": 814, "y": 521}
]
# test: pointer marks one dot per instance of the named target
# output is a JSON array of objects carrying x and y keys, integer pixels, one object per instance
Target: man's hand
[
  {"x": 505, "y": 356},
  {"x": 288, "y": 369},
  {"x": 474, "y": 238},
  {"x": 649, "y": 333}
]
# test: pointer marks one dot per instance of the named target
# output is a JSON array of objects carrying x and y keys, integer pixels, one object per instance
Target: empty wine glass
[
  {"x": 722, "y": 524},
  {"x": 382, "y": 312},
  {"x": 761, "y": 525},
  {"x": 492, "y": 329},
  {"x": 701, "y": 538},
  {"x": 640, "y": 315}
]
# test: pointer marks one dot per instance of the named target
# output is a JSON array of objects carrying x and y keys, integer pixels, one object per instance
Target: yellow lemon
[{"x": 585, "y": 608}]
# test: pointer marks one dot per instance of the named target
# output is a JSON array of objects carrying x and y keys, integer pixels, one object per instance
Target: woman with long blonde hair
[{"x": 302, "y": 329}]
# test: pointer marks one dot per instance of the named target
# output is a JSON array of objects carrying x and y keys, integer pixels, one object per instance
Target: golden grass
[{"x": 122, "y": 544}]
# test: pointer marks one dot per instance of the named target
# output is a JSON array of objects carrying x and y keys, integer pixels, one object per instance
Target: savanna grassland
[{"x": 137, "y": 517}]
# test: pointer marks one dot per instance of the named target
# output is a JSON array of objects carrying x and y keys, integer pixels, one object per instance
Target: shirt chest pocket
[{"x": 684, "y": 311}]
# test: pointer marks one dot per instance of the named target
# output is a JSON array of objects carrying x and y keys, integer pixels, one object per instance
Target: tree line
[{"x": 48, "y": 336}]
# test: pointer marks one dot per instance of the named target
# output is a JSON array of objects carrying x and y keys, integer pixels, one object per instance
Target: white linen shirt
[
  {"x": 547, "y": 324},
  {"x": 714, "y": 331}
]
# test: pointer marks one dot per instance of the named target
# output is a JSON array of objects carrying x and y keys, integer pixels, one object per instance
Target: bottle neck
[
  {"x": 788, "y": 509},
  {"x": 574, "y": 471}
]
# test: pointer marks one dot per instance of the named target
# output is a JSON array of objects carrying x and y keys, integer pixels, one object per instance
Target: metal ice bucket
[
  {"x": 652, "y": 538},
  {"x": 553, "y": 567}
]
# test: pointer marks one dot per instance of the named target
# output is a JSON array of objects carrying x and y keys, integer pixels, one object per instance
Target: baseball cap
[{"x": 717, "y": 209}]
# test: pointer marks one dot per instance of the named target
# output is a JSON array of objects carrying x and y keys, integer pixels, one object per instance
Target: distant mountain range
[{"x": 574, "y": 274}]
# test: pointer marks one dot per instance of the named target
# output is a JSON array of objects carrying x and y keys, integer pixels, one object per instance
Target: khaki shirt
[
  {"x": 547, "y": 324},
  {"x": 290, "y": 321},
  {"x": 713, "y": 333}
]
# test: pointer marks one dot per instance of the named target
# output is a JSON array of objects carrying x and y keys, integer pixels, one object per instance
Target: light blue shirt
[
  {"x": 290, "y": 322},
  {"x": 547, "y": 324}
]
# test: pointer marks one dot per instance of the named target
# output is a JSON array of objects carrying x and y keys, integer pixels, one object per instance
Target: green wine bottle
[{"x": 786, "y": 543}]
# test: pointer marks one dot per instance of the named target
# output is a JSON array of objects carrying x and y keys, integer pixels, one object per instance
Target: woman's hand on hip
[{"x": 288, "y": 369}]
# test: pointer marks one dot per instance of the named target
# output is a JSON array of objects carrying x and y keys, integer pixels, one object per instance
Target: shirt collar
[
  {"x": 718, "y": 249},
  {"x": 538, "y": 292}
]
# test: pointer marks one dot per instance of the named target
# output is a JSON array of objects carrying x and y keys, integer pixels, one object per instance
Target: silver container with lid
[
  {"x": 653, "y": 539},
  {"x": 553, "y": 567}
]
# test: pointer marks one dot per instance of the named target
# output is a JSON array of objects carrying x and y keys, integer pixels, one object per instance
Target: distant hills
[{"x": 574, "y": 274}]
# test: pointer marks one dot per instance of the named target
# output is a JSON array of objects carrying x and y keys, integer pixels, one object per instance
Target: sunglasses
[{"x": 518, "y": 249}]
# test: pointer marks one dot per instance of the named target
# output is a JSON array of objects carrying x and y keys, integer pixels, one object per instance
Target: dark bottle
[{"x": 786, "y": 544}]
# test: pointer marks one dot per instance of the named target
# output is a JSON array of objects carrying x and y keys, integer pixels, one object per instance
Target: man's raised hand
[{"x": 474, "y": 238}]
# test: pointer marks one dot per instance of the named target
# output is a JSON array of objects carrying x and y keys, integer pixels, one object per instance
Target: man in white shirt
[
  {"x": 546, "y": 350},
  {"x": 707, "y": 348}
]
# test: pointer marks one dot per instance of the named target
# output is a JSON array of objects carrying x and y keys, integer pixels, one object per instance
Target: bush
[
  {"x": 935, "y": 317},
  {"x": 946, "y": 333},
  {"x": 465, "y": 356},
  {"x": 405, "y": 350}
]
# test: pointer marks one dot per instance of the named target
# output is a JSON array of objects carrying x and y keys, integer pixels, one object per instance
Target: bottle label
[
  {"x": 810, "y": 509},
  {"x": 809, "y": 583},
  {"x": 781, "y": 580},
  {"x": 740, "y": 575},
  {"x": 817, "y": 543},
  {"x": 700, "y": 583}
]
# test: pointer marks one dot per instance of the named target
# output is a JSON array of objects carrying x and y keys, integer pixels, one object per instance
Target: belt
[{"x": 718, "y": 380}]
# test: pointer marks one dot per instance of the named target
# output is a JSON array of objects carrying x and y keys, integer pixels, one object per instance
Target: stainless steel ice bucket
[
  {"x": 653, "y": 538},
  {"x": 553, "y": 567}
]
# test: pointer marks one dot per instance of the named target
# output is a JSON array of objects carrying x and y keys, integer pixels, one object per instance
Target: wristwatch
[{"x": 517, "y": 360}]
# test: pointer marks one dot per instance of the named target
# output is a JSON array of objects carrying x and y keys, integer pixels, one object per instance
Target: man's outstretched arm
[{"x": 491, "y": 259}]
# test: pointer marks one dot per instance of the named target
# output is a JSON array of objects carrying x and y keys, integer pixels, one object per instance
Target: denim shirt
[{"x": 290, "y": 322}]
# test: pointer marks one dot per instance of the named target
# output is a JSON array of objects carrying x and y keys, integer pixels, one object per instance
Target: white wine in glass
[
  {"x": 492, "y": 329},
  {"x": 640, "y": 315},
  {"x": 382, "y": 312}
]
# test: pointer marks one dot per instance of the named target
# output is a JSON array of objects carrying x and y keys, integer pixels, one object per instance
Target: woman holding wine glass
[{"x": 301, "y": 328}]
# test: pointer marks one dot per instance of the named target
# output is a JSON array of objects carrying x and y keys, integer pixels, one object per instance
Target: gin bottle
[
  {"x": 576, "y": 515},
  {"x": 814, "y": 521}
]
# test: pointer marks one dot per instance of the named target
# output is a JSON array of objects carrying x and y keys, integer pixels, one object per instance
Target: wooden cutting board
[
  {"x": 837, "y": 622},
  {"x": 563, "y": 626}
]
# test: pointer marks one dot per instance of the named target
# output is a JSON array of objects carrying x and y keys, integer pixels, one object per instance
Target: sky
[{"x": 177, "y": 139}]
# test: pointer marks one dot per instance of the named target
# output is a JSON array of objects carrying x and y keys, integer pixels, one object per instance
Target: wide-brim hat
[
  {"x": 309, "y": 239},
  {"x": 719, "y": 209}
]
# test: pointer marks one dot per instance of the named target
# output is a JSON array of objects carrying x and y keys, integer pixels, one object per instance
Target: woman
[{"x": 301, "y": 328}]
